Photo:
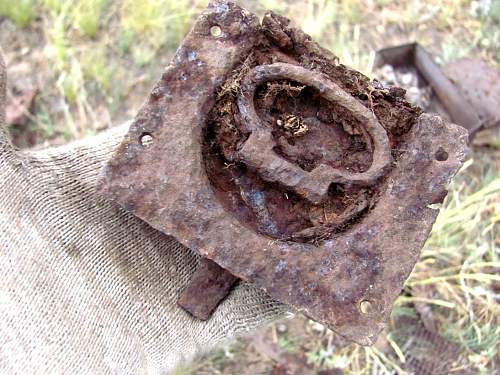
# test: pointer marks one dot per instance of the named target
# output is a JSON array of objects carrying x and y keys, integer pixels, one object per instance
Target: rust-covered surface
[
  {"x": 479, "y": 83},
  {"x": 287, "y": 168},
  {"x": 209, "y": 285}
]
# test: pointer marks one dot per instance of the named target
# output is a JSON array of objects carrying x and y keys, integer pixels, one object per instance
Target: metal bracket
[{"x": 330, "y": 219}]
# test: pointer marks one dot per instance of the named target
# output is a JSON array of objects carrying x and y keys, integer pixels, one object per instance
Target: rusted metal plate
[
  {"x": 287, "y": 168},
  {"x": 480, "y": 86},
  {"x": 479, "y": 83}
]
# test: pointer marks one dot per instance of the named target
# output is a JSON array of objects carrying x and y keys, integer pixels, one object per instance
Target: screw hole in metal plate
[
  {"x": 146, "y": 139},
  {"x": 441, "y": 154},
  {"x": 366, "y": 307},
  {"x": 216, "y": 31}
]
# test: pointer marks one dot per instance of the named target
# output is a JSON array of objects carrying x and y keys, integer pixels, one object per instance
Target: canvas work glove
[{"x": 86, "y": 287}]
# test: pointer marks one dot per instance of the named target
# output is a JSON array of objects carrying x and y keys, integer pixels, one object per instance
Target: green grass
[
  {"x": 157, "y": 22},
  {"x": 110, "y": 43},
  {"x": 21, "y": 12},
  {"x": 87, "y": 15},
  {"x": 288, "y": 344},
  {"x": 96, "y": 67}
]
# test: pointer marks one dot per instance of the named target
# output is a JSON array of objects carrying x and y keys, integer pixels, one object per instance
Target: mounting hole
[
  {"x": 216, "y": 31},
  {"x": 146, "y": 139},
  {"x": 441, "y": 154},
  {"x": 366, "y": 307}
]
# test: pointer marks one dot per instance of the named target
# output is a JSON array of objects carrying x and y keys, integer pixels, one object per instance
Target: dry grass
[{"x": 99, "y": 58}]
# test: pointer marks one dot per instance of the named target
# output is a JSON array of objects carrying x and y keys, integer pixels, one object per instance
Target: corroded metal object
[
  {"x": 257, "y": 152},
  {"x": 287, "y": 169},
  {"x": 209, "y": 285}
]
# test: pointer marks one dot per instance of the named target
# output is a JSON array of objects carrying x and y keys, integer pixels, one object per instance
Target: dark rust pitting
[
  {"x": 352, "y": 236},
  {"x": 209, "y": 285}
]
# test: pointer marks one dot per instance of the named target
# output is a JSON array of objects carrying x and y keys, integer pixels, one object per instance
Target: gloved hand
[{"x": 88, "y": 288}]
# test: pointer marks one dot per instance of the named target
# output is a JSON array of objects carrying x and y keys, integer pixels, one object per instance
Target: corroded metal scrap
[
  {"x": 286, "y": 168},
  {"x": 209, "y": 285}
]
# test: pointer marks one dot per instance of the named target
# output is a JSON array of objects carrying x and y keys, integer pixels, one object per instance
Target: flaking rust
[{"x": 287, "y": 169}]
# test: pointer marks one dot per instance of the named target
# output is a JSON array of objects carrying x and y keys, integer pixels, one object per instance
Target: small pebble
[
  {"x": 317, "y": 327},
  {"x": 408, "y": 80},
  {"x": 281, "y": 328}
]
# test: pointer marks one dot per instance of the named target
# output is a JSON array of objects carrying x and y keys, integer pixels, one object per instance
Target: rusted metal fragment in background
[
  {"x": 207, "y": 288},
  {"x": 480, "y": 86},
  {"x": 448, "y": 93},
  {"x": 341, "y": 256}
]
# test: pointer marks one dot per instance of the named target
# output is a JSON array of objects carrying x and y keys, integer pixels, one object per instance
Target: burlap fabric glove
[{"x": 88, "y": 288}]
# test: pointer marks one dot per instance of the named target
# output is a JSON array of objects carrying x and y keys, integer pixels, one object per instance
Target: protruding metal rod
[{"x": 209, "y": 285}]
